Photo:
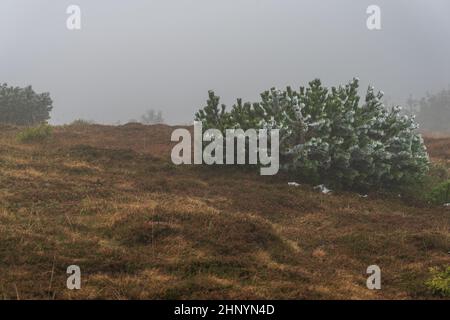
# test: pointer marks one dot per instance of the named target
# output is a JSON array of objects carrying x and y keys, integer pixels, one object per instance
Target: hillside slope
[{"x": 109, "y": 200}]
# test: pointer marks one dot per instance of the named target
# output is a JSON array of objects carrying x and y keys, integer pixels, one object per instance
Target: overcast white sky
[{"x": 133, "y": 55}]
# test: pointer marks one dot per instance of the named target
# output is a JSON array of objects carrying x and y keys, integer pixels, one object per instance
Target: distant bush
[
  {"x": 327, "y": 136},
  {"x": 434, "y": 113},
  {"x": 152, "y": 117},
  {"x": 23, "y": 106},
  {"x": 35, "y": 134},
  {"x": 81, "y": 122},
  {"x": 439, "y": 284}
]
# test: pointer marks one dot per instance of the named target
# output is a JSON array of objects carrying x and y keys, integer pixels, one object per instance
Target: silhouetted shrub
[
  {"x": 434, "y": 114},
  {"x": 23, "y": 106}
]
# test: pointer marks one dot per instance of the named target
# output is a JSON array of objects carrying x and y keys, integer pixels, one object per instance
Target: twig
[
  {"x": 17, "y": 292},
  {"x": 51, "y": 276}
]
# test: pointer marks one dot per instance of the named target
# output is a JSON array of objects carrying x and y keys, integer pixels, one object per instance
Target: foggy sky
[{"x": 133, "y": 55}]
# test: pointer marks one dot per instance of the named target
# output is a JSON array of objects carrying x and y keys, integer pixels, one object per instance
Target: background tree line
[
  {"x": 23, "y": 106},
  {"x": 432, "y": 111}
]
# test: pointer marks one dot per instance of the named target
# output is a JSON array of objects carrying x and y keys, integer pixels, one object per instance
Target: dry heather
[
  {"x": 109, "y": 200},
  {"x": 439, "y": 148}
]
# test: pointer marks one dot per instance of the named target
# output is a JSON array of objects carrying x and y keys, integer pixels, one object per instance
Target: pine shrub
[{"x": 329, "y": 136}]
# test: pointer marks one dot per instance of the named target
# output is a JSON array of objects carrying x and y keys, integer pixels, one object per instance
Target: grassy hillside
[{"x": 109, "y": 200}]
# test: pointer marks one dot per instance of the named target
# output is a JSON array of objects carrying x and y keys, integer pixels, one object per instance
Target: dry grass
[
  {"x": 439, "y": 148},
  {"x": 109, "y": 200}
]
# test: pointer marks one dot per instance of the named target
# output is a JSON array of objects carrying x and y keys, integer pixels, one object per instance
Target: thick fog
[{"x": 134, "y": 55}]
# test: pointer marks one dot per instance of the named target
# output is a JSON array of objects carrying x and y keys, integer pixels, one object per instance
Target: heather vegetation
[
  {"x": 35, "y": 134},
  {"x": 108, "y": 198}
]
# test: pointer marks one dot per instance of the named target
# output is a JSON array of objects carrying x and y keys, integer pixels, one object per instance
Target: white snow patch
[{"x": 323, "y": 189}]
